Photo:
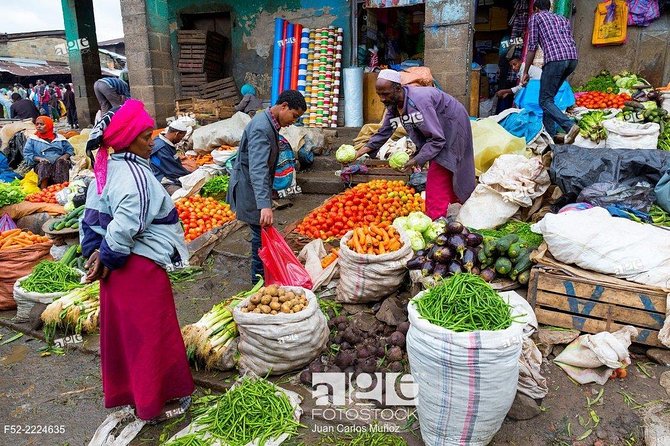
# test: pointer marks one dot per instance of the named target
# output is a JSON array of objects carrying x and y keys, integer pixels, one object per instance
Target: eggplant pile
[
  {"x": 454, "y": 251},
  {"x": 507, "y": 256}
]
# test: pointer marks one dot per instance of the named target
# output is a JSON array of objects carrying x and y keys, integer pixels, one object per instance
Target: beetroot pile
[{"x": 362, "y": 343}]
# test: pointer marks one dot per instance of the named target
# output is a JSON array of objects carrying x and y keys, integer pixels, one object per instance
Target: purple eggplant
[
  {"x": 455, "y": 228},
  {"x": 473, "y": 239},
  {"x": 441, "y": 270},
  {"x": 469, "y": 258},
  {"x": 455, "y": 268},
  {"x": 416, "y": 262},
  {"x": 475, "y": 270},
  {"x": 443, "y": 254},
  {"x": 427, "y": 268},
  {"x": 457, "y": 242},
  {"x": 465, "y": 231},
  {"x": 488, "y": 274},
  {"x": 442, "y": 239},
  {"x": 421, "y": 253}
]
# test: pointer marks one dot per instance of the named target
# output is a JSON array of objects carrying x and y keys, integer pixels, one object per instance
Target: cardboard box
[{"x": 494, "y": 20}]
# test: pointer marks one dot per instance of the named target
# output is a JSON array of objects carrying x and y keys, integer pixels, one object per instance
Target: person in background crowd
[
  {"x": 250, "y": 103},
  {"x": 6, "y": 103},
  {"x": 54, "y": 106},
  {"x": 165, "y": 161},
  {"x": 71, "y": 107},
  {"x": 440, "y": 128},
  {"x": 43, "y": 97},
  {"x": 250, "y": 189},
  {"x": 132, "y": 236},
  {"x": 111, "y": 92},
  {"x": 554, "y": 34},
  {"x": 49, "y": 153},
  {"x": 18, "y": 88},
  {"x": 516, "y": 66},
  {"x": 23, "y": 108}
]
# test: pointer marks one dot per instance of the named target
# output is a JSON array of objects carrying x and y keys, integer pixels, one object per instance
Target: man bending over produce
[
  {"x": 439, "y": 126},
  {"x": 165, "y": 162},
  {"x": 250, "y": 189}
]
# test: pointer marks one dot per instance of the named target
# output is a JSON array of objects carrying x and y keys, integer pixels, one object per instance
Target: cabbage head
[
  {"x": 431, "y": 233},
  {"x": 418, "y": 221},
  {"x": 400, "y": 224},
  {"x": 416, "y": 240},
  {"x": 345, "y": 154},
  {"x": 398, "y": 160}
]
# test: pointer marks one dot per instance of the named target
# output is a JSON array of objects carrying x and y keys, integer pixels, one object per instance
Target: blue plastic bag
[{"x": 529, "y": 97}]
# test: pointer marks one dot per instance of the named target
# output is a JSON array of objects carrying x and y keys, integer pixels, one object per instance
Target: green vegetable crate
[{"x": 584, "y": 304}]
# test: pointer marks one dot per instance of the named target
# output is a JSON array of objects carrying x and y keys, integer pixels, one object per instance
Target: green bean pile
[
  {"x": 51, "y": 277},
  {"x": 463, "y": 303},
  {"x": 367, "y": 438},
  {"x": 194, "y": 439},
  {"x": 254, "y": 409}
]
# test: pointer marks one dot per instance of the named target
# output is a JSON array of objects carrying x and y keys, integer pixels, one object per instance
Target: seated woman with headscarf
[
  {"x": 49, "y": 153},
  {"x": 133, "y": 235},
  {"x": 250, "y": 103}
]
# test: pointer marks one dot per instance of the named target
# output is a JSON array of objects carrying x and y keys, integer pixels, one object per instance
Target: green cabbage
[
  {"x": 418, "y": 221},
  {"x": 345, "y": 153},
  {"x": 400, "y": 224},
  {"x": 398, "y": 160},
  {"x": 431, "y": 233},
  {"x": 416, "y": 240}
]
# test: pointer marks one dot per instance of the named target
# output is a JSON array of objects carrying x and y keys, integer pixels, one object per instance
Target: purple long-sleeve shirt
[{"x": 439, "y": 125}]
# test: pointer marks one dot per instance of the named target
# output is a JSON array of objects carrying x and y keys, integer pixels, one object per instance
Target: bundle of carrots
[
  {"x": 226, "y": 148},
  {"x": 330, "y": 258},
  {"x": 47, "y": 195},
  {"x": 201, "y": 160},
  {"x": 16, "y": 238},
  {"x": 375, "y": 239}
]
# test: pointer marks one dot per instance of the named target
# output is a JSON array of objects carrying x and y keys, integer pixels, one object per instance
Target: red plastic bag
[{"x": 281, "y": 265}]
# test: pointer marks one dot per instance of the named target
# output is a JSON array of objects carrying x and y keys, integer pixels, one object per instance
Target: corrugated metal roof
[{"x": 30, "y": 67}]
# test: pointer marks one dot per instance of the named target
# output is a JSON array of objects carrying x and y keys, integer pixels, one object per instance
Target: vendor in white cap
[
  {"x": 165, "y": 162},
  {"x": 439, "y": 126}
]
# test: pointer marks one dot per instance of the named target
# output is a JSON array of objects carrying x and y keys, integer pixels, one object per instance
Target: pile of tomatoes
[
  {"x": 200, "y": 214},
  {"x": 47, "y": 195},
  {"x": 374, "y": 202},
  {"x": 599, "y": 100}
]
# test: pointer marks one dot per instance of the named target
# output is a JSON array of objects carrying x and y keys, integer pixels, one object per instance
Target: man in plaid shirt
[{"x": 553, "y": 33}]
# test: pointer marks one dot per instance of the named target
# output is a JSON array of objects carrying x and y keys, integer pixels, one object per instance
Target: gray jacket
[{"x": 250, "y": 188}]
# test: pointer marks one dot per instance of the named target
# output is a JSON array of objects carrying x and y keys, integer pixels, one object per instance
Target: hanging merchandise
[
  {"x": 302, "y": 62},
  {"x": 642, "y": 12},
  {"x": 276, "y": 60},
  {"x": 288, "y": 58},
  {"x": 610, "y": 25},
  {"x": 563, "y": 7}
]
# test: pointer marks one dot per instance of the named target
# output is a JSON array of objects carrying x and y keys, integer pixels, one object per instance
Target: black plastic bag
[
  {"x": 418, "y": 181},
  {"x": 633, "y": 194},
  {"x": 575, "y": 168},
  {"x": 14, "y": 149}
]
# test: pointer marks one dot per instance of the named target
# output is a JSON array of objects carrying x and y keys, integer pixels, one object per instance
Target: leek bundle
[
  {"x": 80, "y": 308},
  {"x": 209, "y": 339}
]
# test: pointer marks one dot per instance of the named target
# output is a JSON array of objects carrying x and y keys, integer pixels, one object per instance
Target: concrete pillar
[
  {"x": 448, "y": 41},
  {"x": 150, "y": 68},
  {"x": 82, "y": 44}
]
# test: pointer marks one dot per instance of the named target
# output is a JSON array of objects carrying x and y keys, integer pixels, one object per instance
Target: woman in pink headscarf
[{"x": 132, "y": 236}]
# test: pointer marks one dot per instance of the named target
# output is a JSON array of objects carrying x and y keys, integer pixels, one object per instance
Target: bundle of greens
[
  {"x": 463, "y": 303},
  {"x": 209, "y": 339},
  {"x": 520, "y": 228},
  {"x": 603, "y": 82},
  {"x": 254, "y": 410},
  {"x": 216, "y": 187},
  {"x": 11, "y": 193},
  {"x": 591, "y": 126}
]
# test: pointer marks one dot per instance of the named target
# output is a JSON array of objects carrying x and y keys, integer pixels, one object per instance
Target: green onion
[{"x": 464, "y": 303}]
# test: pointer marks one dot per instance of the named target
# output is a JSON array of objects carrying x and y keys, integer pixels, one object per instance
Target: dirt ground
[{"x": 63, "y": 394}]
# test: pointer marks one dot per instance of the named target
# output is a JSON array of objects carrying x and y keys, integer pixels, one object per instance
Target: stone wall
[
  {"x": 42, "y": 48},
  {"x": 647, "y": 50}
]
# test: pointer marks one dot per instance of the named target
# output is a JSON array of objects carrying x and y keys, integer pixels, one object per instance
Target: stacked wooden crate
[
  {"x": 224, "y": 89},
  {"x": 201, "y": 60}
]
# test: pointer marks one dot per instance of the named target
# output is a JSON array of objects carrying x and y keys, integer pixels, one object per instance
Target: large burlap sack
[
  {"x": 15, "y": 264},
  {"x": 466, "y": 381},
  {"x": 368, "y": 277},
  {"x": 25, "y": 208},
  {"x": 280, "y": 343}
]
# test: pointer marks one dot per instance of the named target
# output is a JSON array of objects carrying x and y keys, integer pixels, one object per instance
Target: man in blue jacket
[
  {"x": 165, "y": 162},
  {"x": 250, "y": 188}
]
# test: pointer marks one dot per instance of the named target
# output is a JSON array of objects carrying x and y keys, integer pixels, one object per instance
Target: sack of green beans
[
  {"x": 466, "y": 378},
  {"x": 48, "y": 288},
  {"x": 278, "y": 343}
]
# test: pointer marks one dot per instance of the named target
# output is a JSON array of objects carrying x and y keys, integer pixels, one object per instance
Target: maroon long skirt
[
  {"x": 439, "y": 191},
  {"x": 142, "y": 353}
]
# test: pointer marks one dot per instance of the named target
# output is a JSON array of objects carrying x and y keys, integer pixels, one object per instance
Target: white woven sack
[
  {"x": 25, "y": 300},
  {"x": 280, "y": 343},
  {"x": 368, "y": 277},
  {"x": 466, "y": 381}
]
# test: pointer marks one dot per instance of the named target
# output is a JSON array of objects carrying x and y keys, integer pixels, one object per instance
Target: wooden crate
[
  {"x": 379, "y": 170},
  {"x": 567, "y": 301}
]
